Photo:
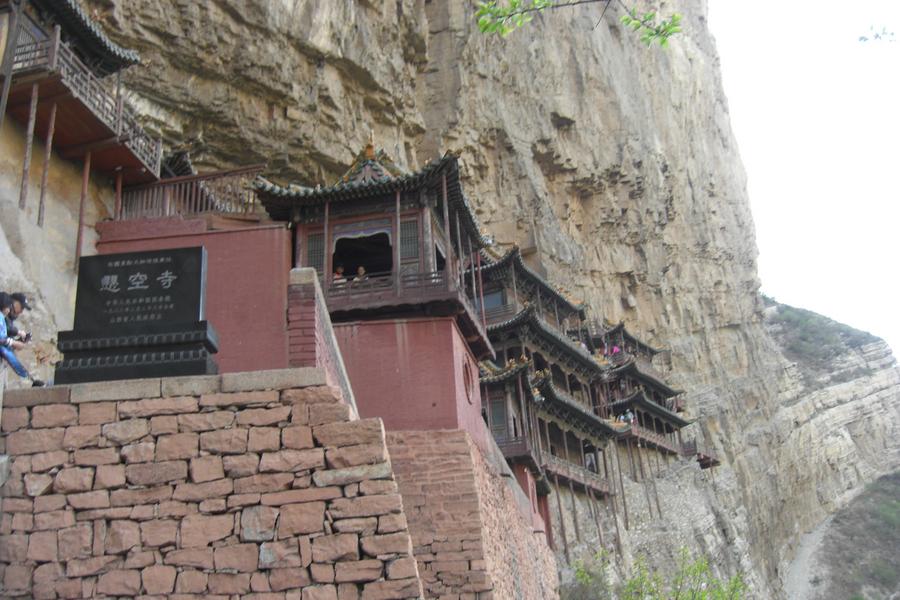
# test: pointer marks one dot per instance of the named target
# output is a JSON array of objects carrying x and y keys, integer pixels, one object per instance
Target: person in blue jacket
[{"x": 8, "y": 344}]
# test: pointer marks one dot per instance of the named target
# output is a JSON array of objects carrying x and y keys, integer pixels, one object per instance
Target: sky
[{"x": 816, "y": 113}]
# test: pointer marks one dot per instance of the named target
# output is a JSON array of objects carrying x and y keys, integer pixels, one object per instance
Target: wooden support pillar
[
  {"x": 326, "y": 234},
  {"x": 119, "y": 194},
  {"x": 592, "y": 503},
  {"x": 475, "y": 295},
  {"x": 644, "y": 482},
  {"x": 515, "y": 290},
  {"x": 6, "y": 68},
  {"x": 448, "y": 261},
  {"x": 481, "y": 290},
  {"x": 526, "y": 422},
  {"x": 631, "y": 459},
  {"x": 622, "y": 487},
  {"x": 611, "y": 500},
  {"x": 396, "y": 244},
  {"x": 572, "y": 488},
  {"x": 85, "y": 178},
  {"x": 460, "y": 274},
  {"x": 29, "y": 141},
  {"x": 48, "y": 150},
  {"x": 428, "y": 237},
  {"x": 655, "y": 489},
  {"x": 562, "y": 522}
]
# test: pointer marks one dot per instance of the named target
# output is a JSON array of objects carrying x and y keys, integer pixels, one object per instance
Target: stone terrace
[{"x": 246, "y": 485}]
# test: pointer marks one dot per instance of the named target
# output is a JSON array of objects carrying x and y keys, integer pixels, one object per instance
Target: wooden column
[
  {"x": 85, "y": 177},
  {"x": 572, "y": 488},
  {"x": 592, "y": 503},
  {"x": 526, "y": 422},
  {"x": 428, "y": 238},
  {"x": 562, "y": 522},
  {"x": 397, "y": 243},
  {"x": 512, "y": 268},
  {"x": 6, "y": 68},
  {"x": 611, "y": 500},
  {"x": 29, "y": 140},
  {"x": 48, "y": 150},
  {"x": 481, "y": 290},
  {"x": 448, "y": 261},
  {"x": 460, "y": 274},
  {"x": 631, "y": 459},
  {"x": 622, "y": 487},
  {"x": 118, "y": 194},
  {"x": 326, "y": 234},
  {"x": 644, "y": 483}
]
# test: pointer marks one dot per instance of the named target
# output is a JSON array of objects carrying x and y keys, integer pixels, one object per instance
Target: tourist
[
  {"x": 338, "y": 277},
  {"x": 629, "y": 416},
  {"x": 9, "y": 344},
  {"x": 20, "y": 304},
  {"x": 360, "y": 274}
]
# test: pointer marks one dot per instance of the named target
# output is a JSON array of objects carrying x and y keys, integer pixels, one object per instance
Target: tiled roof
[
  {"x": 378, "y": 181},
  {"x": 529, "y": 318},
  {"x": 108, "y": 57},
  {"x": 513, "y": 258},
  {"x": 561, "y": 399},
  {"x": 607, "y": 329},
  {"x": 491, "y": 373},
  {"x": 640, "y": 399},
  {"x": 631, "y": 367}
]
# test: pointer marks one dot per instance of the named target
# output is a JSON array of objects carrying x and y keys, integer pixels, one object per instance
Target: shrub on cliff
[{"x": 693, "y": 579}]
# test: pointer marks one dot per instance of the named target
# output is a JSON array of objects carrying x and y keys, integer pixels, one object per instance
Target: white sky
[{"x": 817, "y": 118}]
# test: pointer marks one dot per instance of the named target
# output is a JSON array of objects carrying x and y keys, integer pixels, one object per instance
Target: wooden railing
[
  {"x": 657, "y": 439},
  {"x": 385, "y": 288},
  {"x": 515, "y": 447},
  {"x": 574, "y": 473},
  {"x": 499, "y": 313},
  {"x": 706, "y": 457},
  {"x": 97, "y": 94},
  {"x": 229, "y": 192}
]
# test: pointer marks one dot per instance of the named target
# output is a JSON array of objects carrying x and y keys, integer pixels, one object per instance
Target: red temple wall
[
  {"x": 246, "y": 283},
  {"x": 411, "y": 373}
]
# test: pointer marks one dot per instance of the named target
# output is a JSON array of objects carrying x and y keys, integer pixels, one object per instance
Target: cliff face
[{"x": 617, "y": 163}]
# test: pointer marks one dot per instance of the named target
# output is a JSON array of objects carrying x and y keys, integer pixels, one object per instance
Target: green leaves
[
  {"x": 503, "y": 19},
  {"x": 649, "y": 29}
]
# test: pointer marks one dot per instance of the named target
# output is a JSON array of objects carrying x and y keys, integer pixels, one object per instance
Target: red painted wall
[
  {"x": 246, "y": 283},
  {"x": 410, "y": 372}
]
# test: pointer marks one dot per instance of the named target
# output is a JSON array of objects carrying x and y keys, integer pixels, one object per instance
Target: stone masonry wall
[
  {"x": 249, "y": 485},
  {"x": 470, "y": 537}
]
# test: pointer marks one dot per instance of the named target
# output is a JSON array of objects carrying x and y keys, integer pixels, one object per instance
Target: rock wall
[
  {"x": 252, "y": 485},
  {"x": 472, "y": 536},
  {"x": 617, "y": 163}
]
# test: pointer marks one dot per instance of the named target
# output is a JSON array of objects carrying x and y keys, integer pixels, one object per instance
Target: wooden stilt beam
[
  {"x": 94, "y": 145},
  {"x": 611, "y": 503},
  {"x": 622, "y": 487},
  {"x": 644, "y": 482},
  {"x": 592, "y": 503},
  {"x": 562, "y": 521},
  {"x": 29, "y": 141},
  {"x": 48, "y": 154},
  {"x": 572, "y": 489},
  {"x": 85, "y": 178},
  {"x": 631, "y": 460},
  {"x": 481, "y": 289}
]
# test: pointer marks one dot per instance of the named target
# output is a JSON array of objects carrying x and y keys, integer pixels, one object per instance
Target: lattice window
[
  {"x": 409, "y": 240},
  {"x": 315, "y": 251}
]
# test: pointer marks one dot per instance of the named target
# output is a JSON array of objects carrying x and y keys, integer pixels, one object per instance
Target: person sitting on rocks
[
  {"x": 9, "y": 344},
  {"x": 20, "y": 304}
]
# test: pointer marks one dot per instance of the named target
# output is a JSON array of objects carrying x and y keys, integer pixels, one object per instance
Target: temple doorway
[{"x": 373, "y": 252}]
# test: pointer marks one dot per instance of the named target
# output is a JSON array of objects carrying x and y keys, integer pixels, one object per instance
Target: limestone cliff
[{"x": 615, "y": 162}]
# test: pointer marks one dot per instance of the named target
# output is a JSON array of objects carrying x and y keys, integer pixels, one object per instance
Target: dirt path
[{"x": 798, "y": 583}]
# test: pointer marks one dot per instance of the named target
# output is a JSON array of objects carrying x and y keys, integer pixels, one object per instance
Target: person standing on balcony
[
  {"x": 9, "y": 344},
  {"x": 338, "y": 277},
  {"x": 360, "y": 274}
]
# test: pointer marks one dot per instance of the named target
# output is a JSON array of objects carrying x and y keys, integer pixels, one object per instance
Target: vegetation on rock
[
  {"x": 692, "y": 580},
  {"x": 495, "y": 17}
]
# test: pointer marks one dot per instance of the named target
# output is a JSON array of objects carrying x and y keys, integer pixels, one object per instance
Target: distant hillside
[{"x": 860, "y": 554}]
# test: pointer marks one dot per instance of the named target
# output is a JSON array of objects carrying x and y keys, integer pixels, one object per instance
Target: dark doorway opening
[
  {"x": 373, "y": 252},
  {"x": 440, "y": 261}
]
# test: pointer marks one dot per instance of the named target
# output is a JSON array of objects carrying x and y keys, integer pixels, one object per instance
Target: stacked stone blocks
[{"x": 255, "y": 485}]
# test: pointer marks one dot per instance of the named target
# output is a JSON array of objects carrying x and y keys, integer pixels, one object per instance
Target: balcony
[
  {"x": 498, "y": 314},
  {"x": 577, "y": 474},
  {"x": 387, "y": 291},
  {"x": 91, "y": 115},
  {"x": 653, "y": 439},
  {"x": 705, "y": 457},
  {"x": 223, "y": 192}
]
